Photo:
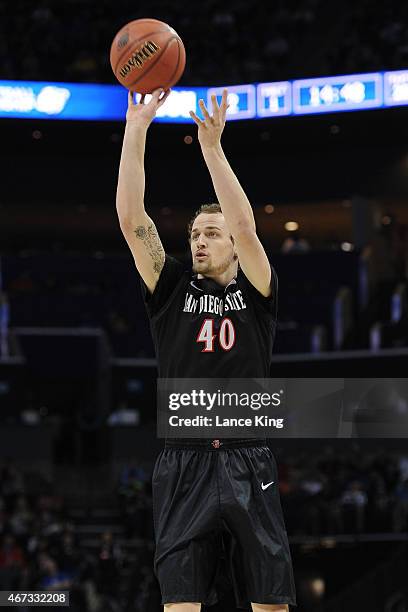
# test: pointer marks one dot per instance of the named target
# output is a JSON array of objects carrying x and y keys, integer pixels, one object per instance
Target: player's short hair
[{"x": 204, "y": 208}]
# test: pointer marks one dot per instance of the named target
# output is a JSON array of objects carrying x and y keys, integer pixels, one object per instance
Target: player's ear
[{"x": 235, "y": 253}]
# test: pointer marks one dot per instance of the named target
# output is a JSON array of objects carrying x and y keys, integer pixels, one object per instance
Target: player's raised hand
[
  {"x": 143, "y": 113},
  {"x": 211, "y": 128}
]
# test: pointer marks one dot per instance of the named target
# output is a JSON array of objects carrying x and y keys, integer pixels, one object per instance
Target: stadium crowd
[
  {"x": 351, "y": 492},
  {"x": 102, "y": 290},
  {"x": 41, "y": 547},
  {"x": 70, "y": 40}
]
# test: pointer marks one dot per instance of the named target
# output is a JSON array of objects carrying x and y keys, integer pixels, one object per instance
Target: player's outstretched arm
[
  {"x": 233, "y": 201},
  {"x": 137, "y": 227}
]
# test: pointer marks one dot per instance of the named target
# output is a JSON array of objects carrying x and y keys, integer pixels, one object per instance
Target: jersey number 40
[{"x": 226, "y": 335}]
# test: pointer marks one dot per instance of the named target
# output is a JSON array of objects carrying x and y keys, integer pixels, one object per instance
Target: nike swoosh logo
[
  {"x": 267, "y": 485},
  {"x": 195, "y": 286}
]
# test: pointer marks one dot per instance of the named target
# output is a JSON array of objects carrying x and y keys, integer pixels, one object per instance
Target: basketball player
[{"x": 210, "y": 497}]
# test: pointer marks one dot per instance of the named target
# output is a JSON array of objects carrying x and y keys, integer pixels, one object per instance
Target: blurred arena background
[{"x": 77, "y": 374}]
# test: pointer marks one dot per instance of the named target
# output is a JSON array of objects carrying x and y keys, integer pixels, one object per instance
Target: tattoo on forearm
[
  {"x": 140, "y": 232},
  {"x": 153, "y": 245}
]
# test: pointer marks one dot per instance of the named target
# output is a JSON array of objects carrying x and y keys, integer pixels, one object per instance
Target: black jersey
[{"x": 201, "y": 329}]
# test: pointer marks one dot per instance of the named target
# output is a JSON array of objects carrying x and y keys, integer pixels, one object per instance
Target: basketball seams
[
  {"x": 136, "y": 43},
  {"x": 177, "y": 64},
  {"x": 152, "y": 64},
  {"x": 155, "y": 62}
]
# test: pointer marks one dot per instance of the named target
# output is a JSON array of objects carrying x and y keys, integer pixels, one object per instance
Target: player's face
[{"x": 211, "y": 246}]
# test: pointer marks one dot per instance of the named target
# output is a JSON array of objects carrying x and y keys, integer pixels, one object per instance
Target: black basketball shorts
[{"x": 219, "y": 501}]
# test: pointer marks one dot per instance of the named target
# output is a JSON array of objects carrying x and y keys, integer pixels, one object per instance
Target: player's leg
[
  {"x": 183, "y": 607},
  {"x": 187, "y": 534},
  {"x": 269, "y": 607},
  {"x": 253, "y": 518}
]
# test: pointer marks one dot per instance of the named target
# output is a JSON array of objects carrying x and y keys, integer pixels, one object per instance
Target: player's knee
[
  {"x": 182, "y": 607},
  {"x": 269, "y": 607}
]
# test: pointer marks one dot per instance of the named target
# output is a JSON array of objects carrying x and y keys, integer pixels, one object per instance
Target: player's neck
[{"x": 222, "y": 279}]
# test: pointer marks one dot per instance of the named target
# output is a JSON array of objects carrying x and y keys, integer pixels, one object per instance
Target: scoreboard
[
  {"x": 94, "y": 102},
  {"x": 340, "y": 93}
]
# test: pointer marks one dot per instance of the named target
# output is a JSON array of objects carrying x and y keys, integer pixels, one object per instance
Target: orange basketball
[{"x": 147, "y": 54}]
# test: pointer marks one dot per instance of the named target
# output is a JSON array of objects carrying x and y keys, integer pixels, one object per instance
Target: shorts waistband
[{"x": 214, "y": 444}]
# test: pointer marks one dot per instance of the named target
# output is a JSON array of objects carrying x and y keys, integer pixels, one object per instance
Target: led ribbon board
[{"x": 93, "y": 102}]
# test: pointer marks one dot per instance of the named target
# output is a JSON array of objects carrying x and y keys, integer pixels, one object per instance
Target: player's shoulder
[
  {"x": 175, "y": 267},
  {"x": 171, "y": 284},
  {"x": 242, "y": 279},
  {"x": 177, "y": 262},
  {"x": 176, "y": 274},
  {"x": 250, "y": 292}
]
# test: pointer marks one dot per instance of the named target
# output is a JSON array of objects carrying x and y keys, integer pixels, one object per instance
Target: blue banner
[{"x": 97, "y": 102}]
